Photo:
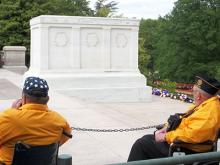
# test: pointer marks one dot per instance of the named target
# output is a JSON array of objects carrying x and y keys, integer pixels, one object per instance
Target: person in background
[
  {"x": 31, "y": 121},
  {"x": 202, "y": 119}
]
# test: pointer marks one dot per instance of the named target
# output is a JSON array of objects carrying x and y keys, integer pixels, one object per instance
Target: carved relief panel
[
  {"x": 120, "y": 49},
  {"x": 59, "y": 55},
  {"x": 91, "y": 45}
]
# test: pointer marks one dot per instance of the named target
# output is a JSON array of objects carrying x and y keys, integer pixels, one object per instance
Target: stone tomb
[{"x": 88, "y": 57}]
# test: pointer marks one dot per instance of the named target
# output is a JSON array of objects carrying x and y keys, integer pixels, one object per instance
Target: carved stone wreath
[
  {"x": 61, "y": 39},
  {"x": 121, "y": 41},
  {"x": 92, "y": 40}
]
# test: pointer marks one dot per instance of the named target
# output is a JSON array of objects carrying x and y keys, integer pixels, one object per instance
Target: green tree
[
  {"x": 143, "y": 59},
  {"x": 149, "y": 33},
  {"x": 189, "y": 40},
  {"x": 103, "y": 8}
]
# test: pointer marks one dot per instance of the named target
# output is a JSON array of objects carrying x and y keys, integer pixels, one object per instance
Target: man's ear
[
  {"x": 199, "y": 96},
  {"x": 48, "y": 98}
]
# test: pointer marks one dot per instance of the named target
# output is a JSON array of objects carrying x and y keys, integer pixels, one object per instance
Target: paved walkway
[{"x": 92, "y": 148}]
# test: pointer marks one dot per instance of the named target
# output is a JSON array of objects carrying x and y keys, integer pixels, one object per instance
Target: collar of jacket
[
  {"x": 41, "y": 107},
  {"x": 214, "y": 98}
]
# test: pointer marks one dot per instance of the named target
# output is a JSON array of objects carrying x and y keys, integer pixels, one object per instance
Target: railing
[{"x": 186, "y": 159}]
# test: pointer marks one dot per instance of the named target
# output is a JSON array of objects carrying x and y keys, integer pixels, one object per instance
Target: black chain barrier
[{"x": 117, "y": 130}]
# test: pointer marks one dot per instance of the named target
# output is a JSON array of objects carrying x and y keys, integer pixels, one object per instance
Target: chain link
[{"x": 115, "y": 130}]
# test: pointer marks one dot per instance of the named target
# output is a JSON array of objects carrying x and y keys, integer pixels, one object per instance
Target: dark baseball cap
[
  {"x": 207, "y": 84},
  {"x": 35, "y": 86}
]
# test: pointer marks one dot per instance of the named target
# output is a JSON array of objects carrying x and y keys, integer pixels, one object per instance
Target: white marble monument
[
  {"x": 88, "y": 57},
  {"x": 14, "y": 58}
]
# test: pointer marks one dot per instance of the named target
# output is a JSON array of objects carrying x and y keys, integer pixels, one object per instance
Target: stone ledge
[
  {"x": 54, "y": 19},
  {"x": 14, "y": 48}
]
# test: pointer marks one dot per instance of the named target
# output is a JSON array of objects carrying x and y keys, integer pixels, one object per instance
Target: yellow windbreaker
[
  {"x": 33, "y": 124},
  {"x": 200, "y": 126}
]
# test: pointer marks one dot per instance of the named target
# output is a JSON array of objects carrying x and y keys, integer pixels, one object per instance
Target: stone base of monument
[
  {"x": 126, "y": 94},
  {"x": 16, "y": 69},
  {"x": 99, "y": 87}
]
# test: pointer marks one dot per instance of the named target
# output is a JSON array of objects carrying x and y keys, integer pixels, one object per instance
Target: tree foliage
[
  {"x": 187, "y": 41},
  {"x": 143, "y": 57},
  {"x": 103, "y": 8},
  {"x": 190, "y": 40},
  {"x": 148, "y": 33}
]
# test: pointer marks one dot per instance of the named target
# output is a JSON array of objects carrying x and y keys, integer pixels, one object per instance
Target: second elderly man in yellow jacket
[{"x": 200, "y": 124}]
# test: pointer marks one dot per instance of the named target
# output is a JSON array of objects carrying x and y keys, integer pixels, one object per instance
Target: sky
[{"x": 142, "y": 8}]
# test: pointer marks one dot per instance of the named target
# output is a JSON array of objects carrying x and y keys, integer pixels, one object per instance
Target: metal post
[
  {"x": 64, "y": 159},
  {"x": 187, "y": 159}
]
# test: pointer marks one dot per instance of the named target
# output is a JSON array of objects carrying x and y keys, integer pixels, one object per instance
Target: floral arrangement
[{"x": 166, "y": 93}]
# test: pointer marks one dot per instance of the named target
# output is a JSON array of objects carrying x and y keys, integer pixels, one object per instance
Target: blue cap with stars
[{"x": 35, "y": 86}]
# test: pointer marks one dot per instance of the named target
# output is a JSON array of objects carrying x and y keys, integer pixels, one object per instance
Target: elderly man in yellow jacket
[
  {"x": 199, "y": 124},
  {"x": 31, "y": 121}
]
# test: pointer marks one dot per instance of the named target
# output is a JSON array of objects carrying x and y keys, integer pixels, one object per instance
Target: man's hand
[
  {"x": 160, "y": 135},
  {"x": 17, "y": 104}
]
